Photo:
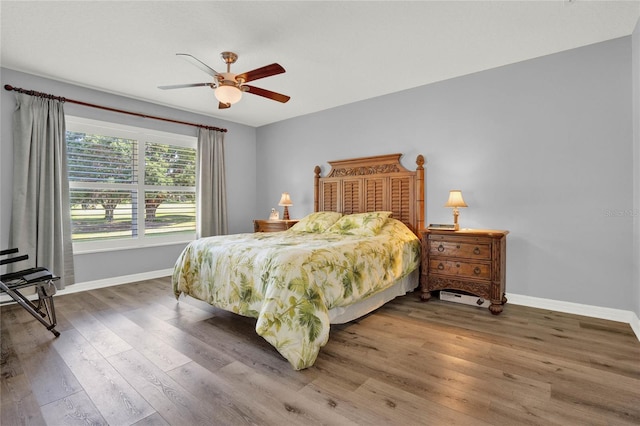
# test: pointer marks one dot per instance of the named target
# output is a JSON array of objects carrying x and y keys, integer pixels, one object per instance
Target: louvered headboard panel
[{"x": 378, "y": 183}]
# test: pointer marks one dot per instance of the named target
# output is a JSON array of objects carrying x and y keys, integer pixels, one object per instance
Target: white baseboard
[
  {"x": 618, "y": 315},
  {"x": 108, "y": 282}
]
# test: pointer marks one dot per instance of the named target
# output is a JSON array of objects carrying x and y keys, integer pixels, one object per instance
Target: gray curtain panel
[
  {"x": 41, "y": 217},
  {"x": 211, "y": 216}
]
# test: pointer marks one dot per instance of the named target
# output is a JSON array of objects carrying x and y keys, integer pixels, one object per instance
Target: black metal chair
[{"x": 43, "y": 280}]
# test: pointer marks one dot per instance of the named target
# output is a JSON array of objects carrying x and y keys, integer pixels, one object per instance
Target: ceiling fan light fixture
[{"x": 228, "y": 94}]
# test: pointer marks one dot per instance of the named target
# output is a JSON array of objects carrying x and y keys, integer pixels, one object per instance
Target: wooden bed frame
[{"x": 378, "y": 183}]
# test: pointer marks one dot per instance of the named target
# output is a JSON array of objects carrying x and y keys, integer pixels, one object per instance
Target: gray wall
[
  {"x": 636, "y": 164},
  {"x": 542, "y": 148},
  {"x": 240, "y": 157}
]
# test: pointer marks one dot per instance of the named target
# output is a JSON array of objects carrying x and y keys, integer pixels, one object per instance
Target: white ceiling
[{"x": 335, "y": 53}]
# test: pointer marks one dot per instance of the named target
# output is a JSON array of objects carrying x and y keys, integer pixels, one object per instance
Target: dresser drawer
[
  {"x": 465, "y": 248},
  {"x": 273, "y": 225},
  {"x": 460, "y": 268}
]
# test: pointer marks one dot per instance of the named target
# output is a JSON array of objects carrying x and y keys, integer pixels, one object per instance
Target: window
[{"x": 129, "y": 187}]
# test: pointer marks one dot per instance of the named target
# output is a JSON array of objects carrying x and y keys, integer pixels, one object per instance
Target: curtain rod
[{"x": 61, "y": 99}]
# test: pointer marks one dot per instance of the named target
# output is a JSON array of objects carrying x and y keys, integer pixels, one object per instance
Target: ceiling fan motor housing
[{"x": 227, "y": 79}]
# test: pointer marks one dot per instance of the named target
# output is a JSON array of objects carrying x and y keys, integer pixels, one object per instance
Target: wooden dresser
[
  {"x": 260, "y": 225},
  {"x": 470, "y": 260}
]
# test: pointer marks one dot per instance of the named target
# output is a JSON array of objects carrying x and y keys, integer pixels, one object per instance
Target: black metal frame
[{"x": 11, "y": 283}]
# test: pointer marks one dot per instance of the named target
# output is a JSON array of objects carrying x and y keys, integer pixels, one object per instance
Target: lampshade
[
  {"x": 228, "y": 94},
  {"x": 285, "y": 200},
  {"x": 455, "y": 199}
]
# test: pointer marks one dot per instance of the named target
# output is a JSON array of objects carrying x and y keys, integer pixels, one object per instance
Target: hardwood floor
[{"x": 132, "y": 355}]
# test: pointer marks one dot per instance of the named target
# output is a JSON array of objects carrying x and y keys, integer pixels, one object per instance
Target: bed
[{"x": 357, "y": 250}]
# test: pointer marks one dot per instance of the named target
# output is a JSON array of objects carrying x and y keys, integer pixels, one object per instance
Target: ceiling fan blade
[
  {"x": 263, "y": 72},
  {"x": 183, "y": 86},
  {"x": 223, "y": 106},
  {"x": 198, "y": 63},
  {"x": 266, "y": 93}
]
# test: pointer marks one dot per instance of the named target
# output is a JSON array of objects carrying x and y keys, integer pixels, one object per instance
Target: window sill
[{"x": 91, "y": 250}]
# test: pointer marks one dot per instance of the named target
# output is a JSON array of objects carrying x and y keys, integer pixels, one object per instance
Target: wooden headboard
[{"x": 367, "y": 184}]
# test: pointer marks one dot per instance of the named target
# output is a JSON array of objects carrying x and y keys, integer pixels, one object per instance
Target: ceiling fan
[{"x": 228, "y": 87}]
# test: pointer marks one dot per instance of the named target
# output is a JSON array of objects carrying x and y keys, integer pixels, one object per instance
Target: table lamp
[
  {"x": 455, "y": 201},
  {"x": 285, "y": 201}
]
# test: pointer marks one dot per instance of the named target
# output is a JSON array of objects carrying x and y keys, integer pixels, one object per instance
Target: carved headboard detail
[{"x": 378, "y": 183}]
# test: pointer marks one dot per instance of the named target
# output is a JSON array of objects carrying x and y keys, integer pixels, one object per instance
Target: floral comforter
[{"x": 289, "y": 280}]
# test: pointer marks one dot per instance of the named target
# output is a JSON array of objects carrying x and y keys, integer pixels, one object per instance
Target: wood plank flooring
[{"x": 132, "y": 355}]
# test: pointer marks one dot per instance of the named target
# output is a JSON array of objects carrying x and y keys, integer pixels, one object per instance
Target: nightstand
[
  {"x": 470, "y": 260},
  {"x": 272, "y": 225}
]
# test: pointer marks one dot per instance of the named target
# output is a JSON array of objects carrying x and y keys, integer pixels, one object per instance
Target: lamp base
[
  {"x": 456, "y": 213},
  {"x": 285, "y": 213}
]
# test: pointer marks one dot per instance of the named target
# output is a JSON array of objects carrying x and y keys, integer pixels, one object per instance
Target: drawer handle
[
  {"x": 440, "y": 266},
  {"x": 476, "y": 270},
  {"x": 476, "y": 250},
  {"x": 458, "y": 246},
  {"x": 440, "y": 248}
]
